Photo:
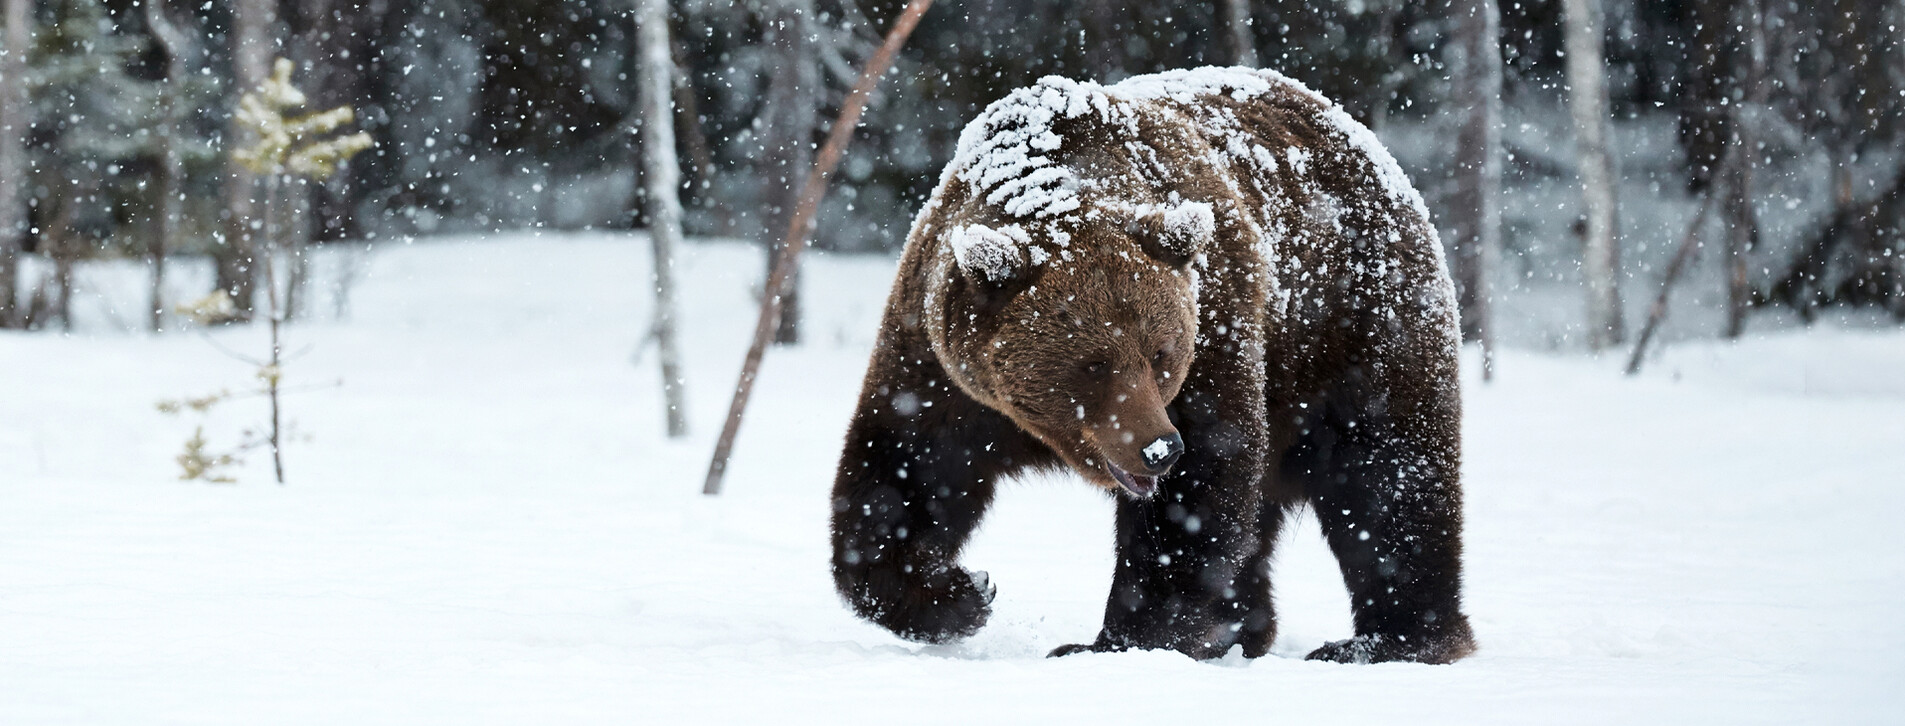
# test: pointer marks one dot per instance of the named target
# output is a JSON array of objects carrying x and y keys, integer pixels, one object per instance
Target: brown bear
[{"x": 1211, "y": 292}]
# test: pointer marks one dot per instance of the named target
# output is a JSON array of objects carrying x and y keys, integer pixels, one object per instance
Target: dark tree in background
[{"x": 14, "y": 122}]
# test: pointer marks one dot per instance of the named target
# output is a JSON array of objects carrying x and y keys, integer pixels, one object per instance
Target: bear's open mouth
[{"x": 1140, "y": 486}]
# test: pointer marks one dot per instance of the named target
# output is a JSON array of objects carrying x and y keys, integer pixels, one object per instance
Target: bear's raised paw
[{"x": 941, "y": 608}]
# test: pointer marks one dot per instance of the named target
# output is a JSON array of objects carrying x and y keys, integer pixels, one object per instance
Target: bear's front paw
[
  {"x": 1378, "y": 648},
  {"x": 939, "y": 608}
]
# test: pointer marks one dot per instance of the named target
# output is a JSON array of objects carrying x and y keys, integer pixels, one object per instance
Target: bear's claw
[
  {"x": 983, "y": 581},
  {"x": 940, "y": 608},
  {"x": 1075, "y": 648}
]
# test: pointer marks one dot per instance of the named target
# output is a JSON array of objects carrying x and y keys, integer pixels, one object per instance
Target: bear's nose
[{"x": 1162, "y": 453}]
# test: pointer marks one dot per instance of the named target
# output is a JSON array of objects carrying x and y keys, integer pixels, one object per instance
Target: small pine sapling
[
  {"x": 282, "y": 148},
  {"x": 196, "y": 461}
]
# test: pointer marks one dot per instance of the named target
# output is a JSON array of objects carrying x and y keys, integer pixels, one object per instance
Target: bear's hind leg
[{"x": 1390, "y": 506}]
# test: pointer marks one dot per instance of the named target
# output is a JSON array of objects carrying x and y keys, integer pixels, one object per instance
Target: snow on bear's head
[{"x": 1172, "y": 233}]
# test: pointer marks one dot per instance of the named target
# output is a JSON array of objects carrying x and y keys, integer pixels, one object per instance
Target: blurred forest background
[{"x": 1609, "y": 124}]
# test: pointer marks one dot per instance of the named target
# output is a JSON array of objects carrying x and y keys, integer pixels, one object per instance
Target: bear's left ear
[{"x": 1173, "y": 232}]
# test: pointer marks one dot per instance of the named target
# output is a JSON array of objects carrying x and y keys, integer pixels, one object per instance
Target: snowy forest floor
[{"x": 487, "y": 526}]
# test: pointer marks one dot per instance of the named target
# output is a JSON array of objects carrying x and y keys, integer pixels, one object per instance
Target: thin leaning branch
[
  {"x": 798, "y": 228},
  {"x": 1678, "y": 265}
]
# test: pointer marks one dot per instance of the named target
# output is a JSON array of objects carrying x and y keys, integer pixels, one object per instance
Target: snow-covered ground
[{"x": 487, "y": 526}]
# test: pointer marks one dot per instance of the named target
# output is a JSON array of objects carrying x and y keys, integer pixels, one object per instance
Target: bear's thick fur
[{"x": 1210, "y": 291}]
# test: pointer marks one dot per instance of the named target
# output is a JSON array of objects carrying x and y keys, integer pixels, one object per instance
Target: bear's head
[{"x": 1080, "y": 332}]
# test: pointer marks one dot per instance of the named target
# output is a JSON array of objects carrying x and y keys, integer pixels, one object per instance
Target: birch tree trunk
[
  {"x": 14, "y": 123},
  {"x": 788, "y": 140},
  {"x": 662, "y": 171},
  {"x": 1475, "y": 207},
  {"x": 1587, "y": 100},
  {"x": 254, "y": 45},
  {"x": 1243, "y": 42}
]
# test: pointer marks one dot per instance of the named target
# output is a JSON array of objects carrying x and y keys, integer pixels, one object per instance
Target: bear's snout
[
  {"x": 1135, "y": 436},
  {"x": 1161, "y": 453}
]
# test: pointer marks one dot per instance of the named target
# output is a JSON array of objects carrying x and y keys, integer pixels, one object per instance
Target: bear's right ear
[
  {"x": 989, "y": 255},
  {"x": 1174, "y": 232}
]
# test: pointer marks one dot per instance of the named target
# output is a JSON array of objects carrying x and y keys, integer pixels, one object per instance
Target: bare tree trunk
[
  {"x": 1842, "y": 179},
  {"x": 788, "y": 141},
  {"x": 1243, "y": 42},
  {"x": 15, "y": 120},
  {"x": 254, "y": 45},
  {"x": 1475, "y": 207},
  {"x": 59, "y": 241},
  {"x": 64, "y": 252},
  {"x": 663, "y": 173},
  {"x": 170, "y": 172},
  {"x": 1742, "y": 235},
  {"x": 182, "y": 52},
  {"x": 1742, "y": 222},
  {"x": 1587, "y": 99}
]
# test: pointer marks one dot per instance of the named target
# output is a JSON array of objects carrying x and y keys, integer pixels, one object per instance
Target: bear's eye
[
  {"x": 1095, "y": 366},
  {"x": 1158, "y": 357}
]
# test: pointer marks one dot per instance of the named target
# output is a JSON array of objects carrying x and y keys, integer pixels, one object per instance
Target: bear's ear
[
  {"x": 989, "y": 255},
  {"x": 1173, "y": 232}
]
